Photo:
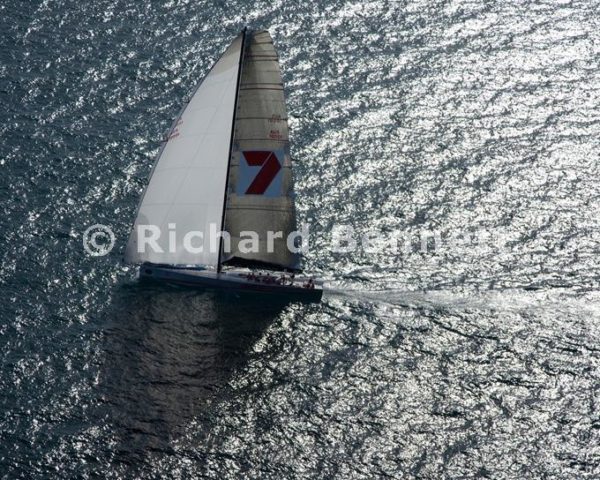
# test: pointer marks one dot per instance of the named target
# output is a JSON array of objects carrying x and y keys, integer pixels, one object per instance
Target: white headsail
[{"x": 187, "y": 185}]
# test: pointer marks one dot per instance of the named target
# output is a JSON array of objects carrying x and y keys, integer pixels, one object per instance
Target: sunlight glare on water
[{"x": 406, "y": 116}]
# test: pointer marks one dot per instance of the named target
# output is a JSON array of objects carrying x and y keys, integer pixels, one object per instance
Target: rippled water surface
[{"x": 471, "y": 361}]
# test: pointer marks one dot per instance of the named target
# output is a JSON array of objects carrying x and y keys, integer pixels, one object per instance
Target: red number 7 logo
[{"x": 270, "y": 167}]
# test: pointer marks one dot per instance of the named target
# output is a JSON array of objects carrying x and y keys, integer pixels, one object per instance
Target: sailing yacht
[{"x": 225, "y": 170}]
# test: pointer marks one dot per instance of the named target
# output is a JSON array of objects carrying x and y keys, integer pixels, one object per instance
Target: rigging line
[{"x": 237, "y": 91}]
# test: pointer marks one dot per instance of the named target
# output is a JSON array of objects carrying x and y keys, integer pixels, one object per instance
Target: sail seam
[
  {"x": 261, "y": 208},
  {"x": 261, "y": 88},
  {"x": 262, "y": 118},
  {"x": 263, "y": 139}
]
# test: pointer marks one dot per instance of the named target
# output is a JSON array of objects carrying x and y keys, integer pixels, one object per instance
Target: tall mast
[{"x": 237, "y": 92}]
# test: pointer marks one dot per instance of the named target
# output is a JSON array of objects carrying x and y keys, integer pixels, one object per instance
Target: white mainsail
[
  {"x": 260, "y": 188},
  {"x": 187, "y": 185}
]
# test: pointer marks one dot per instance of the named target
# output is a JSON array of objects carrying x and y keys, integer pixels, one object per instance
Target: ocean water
[{"x": 476, "y": 360}]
